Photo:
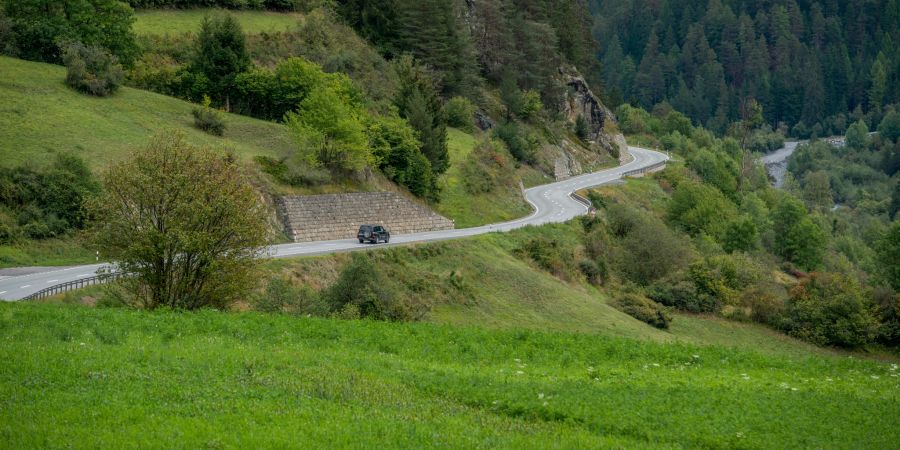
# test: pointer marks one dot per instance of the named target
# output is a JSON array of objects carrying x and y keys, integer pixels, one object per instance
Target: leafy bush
[
  {"x": 887, "y": 311},
  {"x": 211, "y": 229},
  {"x": 460, "y": 113},
  {"x": 681, "y": 294},
  {"x": 797, "y": 238},
  {"x": 47, "y": 202},
  {"x": 549, "y": 254},
  {"x": 208, "y": 119},
  {"x": 398, "y": 152},
  {"x": 282, "y": 296},
  {"x": 92, "y": 70},
  {"x": 596, "y": 272},
  {"x": 530, "y": 104},
  {"x": 700, "y": 208},
  {"x": 361, "y": 289},
  {"x": 40, "y": 26},
  {"x": 486, "y": 168},
  {"x": 648, "y": 250},
  {"x": 740, "y": 235},
  {"x": 765, "y": 140},
  {"x": 643, "y": 309},
  {"x": 830, "y": 309},
  {"x": 520, "y": 146}
]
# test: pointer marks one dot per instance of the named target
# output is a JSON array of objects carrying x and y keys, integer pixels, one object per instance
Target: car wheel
[
  {"x": 387, "y": 240},
  {"x": 361, "y": 241}
]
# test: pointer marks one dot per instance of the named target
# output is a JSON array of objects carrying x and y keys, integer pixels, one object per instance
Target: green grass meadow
[
  {"x": 181, "y": 21},
  {"x": 83, "y": 377},
  {"x": 41, "y": 116}
]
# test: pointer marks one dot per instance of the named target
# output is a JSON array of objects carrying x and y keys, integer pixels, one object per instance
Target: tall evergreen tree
[{"x": 221, "y": 55}]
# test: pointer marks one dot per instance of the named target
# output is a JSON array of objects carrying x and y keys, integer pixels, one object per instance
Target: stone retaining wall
[{"x": 338, "y": 216}]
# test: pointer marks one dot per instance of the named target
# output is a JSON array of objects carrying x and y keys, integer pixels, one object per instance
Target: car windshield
[{"x": 379, "y": 229}]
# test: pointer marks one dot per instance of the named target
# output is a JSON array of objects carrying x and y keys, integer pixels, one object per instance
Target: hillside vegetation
[
  {"x": 174, "y": 22},
  {"x": 815, "y": 66},
  {"x": 41, "y": 117},
  {"x": 81, "y": 377}
]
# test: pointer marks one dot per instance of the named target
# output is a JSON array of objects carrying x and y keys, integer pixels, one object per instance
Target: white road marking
[
  {"x": 26, "y": 286},
  {"x": 83, "y": 275},
  {"x": 2, "y": 292},
  {"x": 52, "y": 281}
]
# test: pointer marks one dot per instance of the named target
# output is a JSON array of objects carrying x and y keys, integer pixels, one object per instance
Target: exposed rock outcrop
[{"x": 580, "y": 101}]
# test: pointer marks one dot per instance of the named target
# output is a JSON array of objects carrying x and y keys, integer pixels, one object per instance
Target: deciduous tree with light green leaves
[
  {"x": 184, "y": 222},
  {"x": 330, "y": 132},
  {"x": 797, "y": 238}
]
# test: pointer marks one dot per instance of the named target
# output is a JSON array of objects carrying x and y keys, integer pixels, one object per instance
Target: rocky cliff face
[{"x": 580, "y": 101}]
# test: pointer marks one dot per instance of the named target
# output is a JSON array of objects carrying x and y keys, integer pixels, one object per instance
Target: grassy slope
[
  {"x": 40, "y": 116},
  {"x": 168, "y": 21},
  {"x": 503, "y": 291},
  {"x": 81, "y": 377},
  {"x": 468, "y": 210}
]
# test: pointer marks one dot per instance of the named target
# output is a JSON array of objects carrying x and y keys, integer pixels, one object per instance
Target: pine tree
[{"x": 221, "y": 55}]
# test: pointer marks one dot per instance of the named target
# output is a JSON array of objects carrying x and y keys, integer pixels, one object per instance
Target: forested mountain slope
[{"x": 809, "y": 63}]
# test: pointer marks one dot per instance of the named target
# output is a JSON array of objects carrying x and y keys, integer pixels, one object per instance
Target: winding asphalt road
[{"x": 552, "y": 203}]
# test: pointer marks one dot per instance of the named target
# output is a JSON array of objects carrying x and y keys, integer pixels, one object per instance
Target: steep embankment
[{"x": 41, "y": 116}]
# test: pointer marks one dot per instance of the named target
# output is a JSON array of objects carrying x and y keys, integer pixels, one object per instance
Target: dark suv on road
[{"x": 373, "y": 234}]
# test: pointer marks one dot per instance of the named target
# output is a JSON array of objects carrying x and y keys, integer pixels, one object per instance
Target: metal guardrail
[
  {"x": 582, "y": 200},
  {"x": 644, "y": 170},
  {"x": 74, "y": 284}
]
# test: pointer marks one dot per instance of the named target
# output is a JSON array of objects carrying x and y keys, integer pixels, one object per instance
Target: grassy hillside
[
  {"x": 81, "y": 377},
  {"x": 40, "y": 116},
  {"x": 472, "y": 210},
  {"x": 180, "y": 21},
  {"x": 485, "y": 281}
]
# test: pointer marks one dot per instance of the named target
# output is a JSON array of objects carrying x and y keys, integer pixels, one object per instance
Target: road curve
[{"x": 552, "y": 203}]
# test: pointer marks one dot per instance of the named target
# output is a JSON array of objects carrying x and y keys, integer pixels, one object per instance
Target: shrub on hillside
[
  {"x": 208, "y": 118},
  {"x": 549, "y": 255},
  {"x": 681, "y": 294},
  {"x": 282, "y": 296},
  {"x": 519, "y": 144},
  {"x": 460, "y": 113},
  {"x": 830, "y": 309},
  {"x": 486, "y": 168},
  {"x": 596, "y": 272},
  {"x": 887, "y": 311},
  {"x": 765, "y": 304},
  {"x": 92, "y": 69},
  {"x": 647, "y": 250},
  {"x": 45, "y": 202},
  {"x": 41, "y": 25},
  {"x": 643, "y": 309},
  {"x": 362, "y": 290}
]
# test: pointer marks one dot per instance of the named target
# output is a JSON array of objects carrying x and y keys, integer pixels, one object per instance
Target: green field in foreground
[
  {"x": 41, "y": 116},
  {"x": 469, "y": 210},
  {"x": 81, "y": 377},
  {"x": 179, "y": 21}
]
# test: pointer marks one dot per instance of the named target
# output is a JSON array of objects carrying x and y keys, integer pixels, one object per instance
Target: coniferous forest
[{"x": 815, "y": 66}]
